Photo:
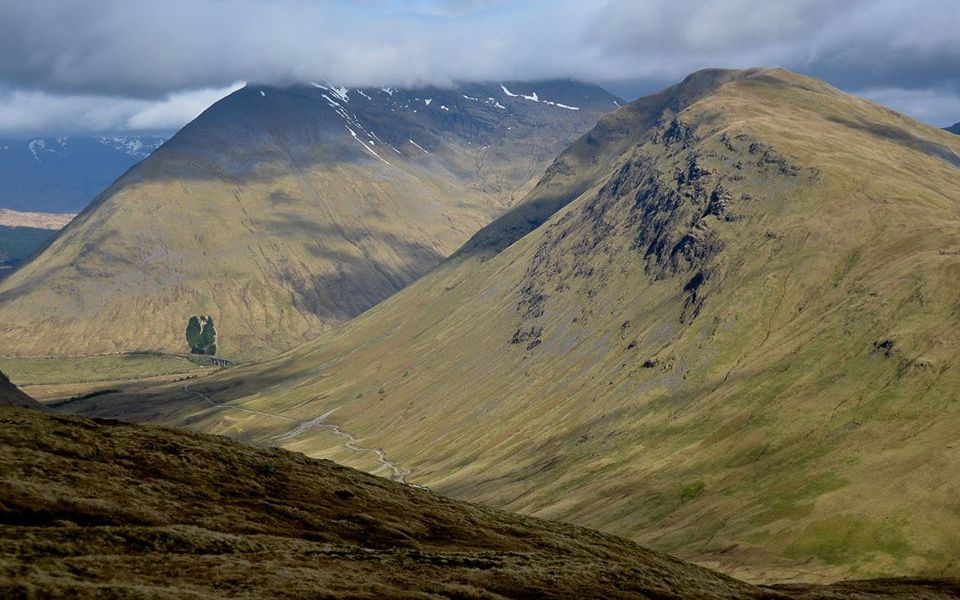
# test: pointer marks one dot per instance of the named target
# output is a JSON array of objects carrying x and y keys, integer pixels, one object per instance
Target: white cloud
[
  {"x": 178, "y": 109},
  {"x": 937, "y": 107},
  {"x": 36, "y": 113}
]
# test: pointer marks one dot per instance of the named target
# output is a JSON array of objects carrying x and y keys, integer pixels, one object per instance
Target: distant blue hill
[
  {"x": 955, "y": 128},
  {"x": 64, "y": 174}
]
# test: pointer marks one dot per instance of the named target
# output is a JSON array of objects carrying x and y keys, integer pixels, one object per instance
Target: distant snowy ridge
[
  {"x": 62, "y": 174},
  {"x": 133, "y": 145}
]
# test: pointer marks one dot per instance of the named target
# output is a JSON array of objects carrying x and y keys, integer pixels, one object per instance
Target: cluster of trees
[{"x": 201, "y": 335}]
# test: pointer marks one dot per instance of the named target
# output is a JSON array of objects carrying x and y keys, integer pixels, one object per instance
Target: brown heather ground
[{"x": 102, "y": 509}]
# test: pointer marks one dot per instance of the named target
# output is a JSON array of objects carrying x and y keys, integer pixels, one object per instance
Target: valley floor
[{"x": 55, "y": 379}]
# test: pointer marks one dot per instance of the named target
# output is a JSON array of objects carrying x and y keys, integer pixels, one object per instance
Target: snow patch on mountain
[
  {"x": 339, "y": 92},
  {"x": 419, "y": 146},
  {"x": 559, "y": 105},
  {"x": 40, "y": 146},
  {"x": 37, "y": 146},
  {"x": 365, "y": 147},
  {"x": 533, "y": 97}
]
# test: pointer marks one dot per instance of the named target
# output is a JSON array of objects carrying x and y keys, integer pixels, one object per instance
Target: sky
[{"x": 72, "y": 67}]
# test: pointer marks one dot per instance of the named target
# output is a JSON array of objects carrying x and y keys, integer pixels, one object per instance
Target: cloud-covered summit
[{"x": 104, "y": 63}]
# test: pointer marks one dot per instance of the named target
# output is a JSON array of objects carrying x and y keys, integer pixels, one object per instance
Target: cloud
[
  {"x": 177, "y": 109},
  {"x": 37, "y": 113},
  {"x": 857, "y": 43},
  {"x": 140, "y": 50},
  {"x": 32, "y": 112},
  {"x": 936, "y": 106}
]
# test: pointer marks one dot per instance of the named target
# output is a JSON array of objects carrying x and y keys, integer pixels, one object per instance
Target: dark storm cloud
[{"x": 143, "y": 56}]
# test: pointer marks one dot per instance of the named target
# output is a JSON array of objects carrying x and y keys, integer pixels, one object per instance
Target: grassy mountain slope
[
  {"x": 282, "y": 212},
  {"x": 737, "y": 342},
  {"x": 99, "y": 508}
]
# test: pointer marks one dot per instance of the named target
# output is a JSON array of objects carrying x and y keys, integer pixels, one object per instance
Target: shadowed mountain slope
[
  {"x": 10, "y": 395},
  {"x": 734, "y": 337},
  {"x": 98, "y": 508},
  {"x": 282, "y": 212},
  {"x": 955, "y": 128}
]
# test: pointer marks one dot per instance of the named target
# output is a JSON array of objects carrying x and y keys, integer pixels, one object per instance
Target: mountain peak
[{"x": 746, "y": 95}]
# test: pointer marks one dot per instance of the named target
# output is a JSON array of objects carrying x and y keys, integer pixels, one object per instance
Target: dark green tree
[
  {"x": 208, "y": 337},
  {"x": 193, "y": 334},
  {"x": 201, "y": 335}
]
